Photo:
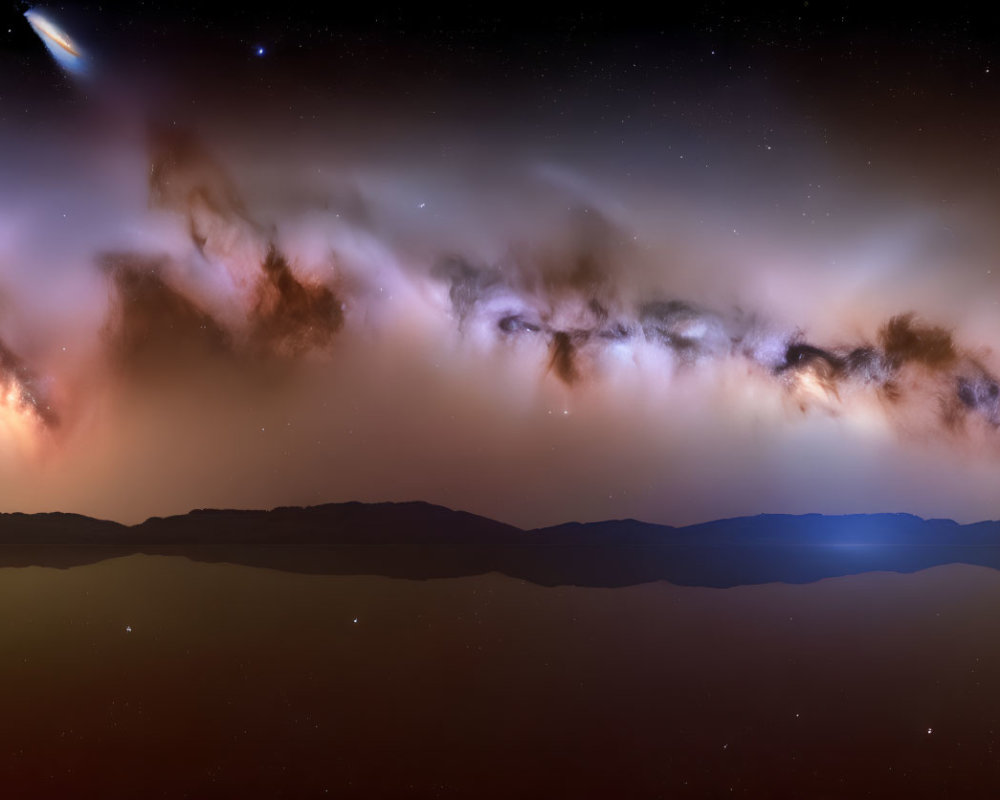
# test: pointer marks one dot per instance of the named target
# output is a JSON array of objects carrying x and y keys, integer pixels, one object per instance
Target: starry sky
[{"x": 577, "y": 265}]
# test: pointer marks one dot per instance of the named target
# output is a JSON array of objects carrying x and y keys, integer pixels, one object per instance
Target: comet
[{"x": 63, "y": 49}]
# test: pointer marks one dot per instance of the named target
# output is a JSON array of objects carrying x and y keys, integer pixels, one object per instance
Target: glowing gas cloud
[{"x": 253, "y": 297}]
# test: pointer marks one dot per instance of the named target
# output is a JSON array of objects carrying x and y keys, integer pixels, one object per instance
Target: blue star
[{"x": 260, "y": 51}]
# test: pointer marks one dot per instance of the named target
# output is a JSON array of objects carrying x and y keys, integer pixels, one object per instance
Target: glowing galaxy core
[{"x": 62, "y": 48}]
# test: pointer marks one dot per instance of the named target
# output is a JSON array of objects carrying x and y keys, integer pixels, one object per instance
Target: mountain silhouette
[{"x": 420, "y": 541}]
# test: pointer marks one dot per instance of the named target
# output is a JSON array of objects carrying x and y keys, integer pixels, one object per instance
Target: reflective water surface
[{"x": 158, "y": 676}]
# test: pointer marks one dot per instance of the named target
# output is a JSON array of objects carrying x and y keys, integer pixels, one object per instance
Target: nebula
[
  {"x": 261, "y": 290},
  {"x": 23, "y": 396}
]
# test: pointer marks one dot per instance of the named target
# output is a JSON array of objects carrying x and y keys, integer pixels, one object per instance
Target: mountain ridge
[{"x": 420, "y": 540}]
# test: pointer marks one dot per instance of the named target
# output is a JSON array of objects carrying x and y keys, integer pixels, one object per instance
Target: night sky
[{"x": 571, "y": 265}]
